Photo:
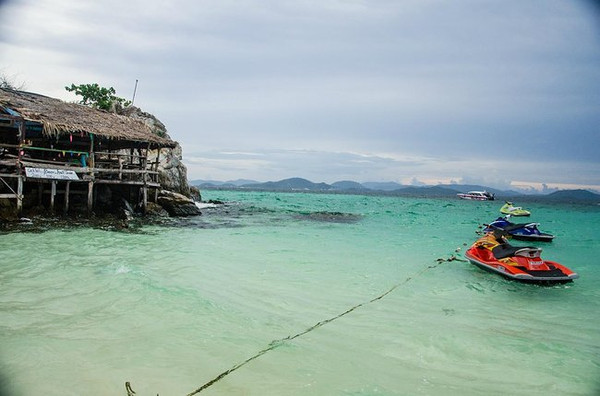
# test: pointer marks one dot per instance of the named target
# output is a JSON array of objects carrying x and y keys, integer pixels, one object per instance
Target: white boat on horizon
[{"x": 477, "y": 196}]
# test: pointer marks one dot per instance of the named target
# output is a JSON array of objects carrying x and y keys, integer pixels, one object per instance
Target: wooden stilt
[
  {"x": 144, "y": 199},
  {"x": 20, "y": 195},
  {"x": 155, "y": 167},
  {"x": 20, "y": 167},
  {"x": 40, "y": 192},
  {"x": 90, "y": 197},
  {"x": 52, "y": 195},
  {"x": 67, "y": 190},
  {"x": 157, "y": 160}
]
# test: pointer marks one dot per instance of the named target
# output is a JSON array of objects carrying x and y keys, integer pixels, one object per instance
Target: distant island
[{"x": 297, "y": 184}]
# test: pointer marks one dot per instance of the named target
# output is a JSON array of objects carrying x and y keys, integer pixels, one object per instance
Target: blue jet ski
[{"x": 522, "y": 231}]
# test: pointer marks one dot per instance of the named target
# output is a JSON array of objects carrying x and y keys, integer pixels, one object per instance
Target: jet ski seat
[{"x": 505, "y": 250}]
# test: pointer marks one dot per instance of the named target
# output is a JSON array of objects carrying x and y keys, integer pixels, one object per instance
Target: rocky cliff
[{"x": 172, "y": 172}]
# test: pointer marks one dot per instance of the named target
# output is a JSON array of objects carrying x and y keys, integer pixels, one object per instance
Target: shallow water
[{"x": 170, "y": 307}]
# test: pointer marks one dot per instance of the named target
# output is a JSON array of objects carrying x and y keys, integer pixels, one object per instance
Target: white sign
[{"x": 57, "y": 174}]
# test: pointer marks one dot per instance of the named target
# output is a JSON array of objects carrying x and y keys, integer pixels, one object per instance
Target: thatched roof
[{"x": 59, "y": 117}]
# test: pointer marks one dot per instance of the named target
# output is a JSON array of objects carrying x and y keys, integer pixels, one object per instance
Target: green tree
[{"x": 98, "y": 97}]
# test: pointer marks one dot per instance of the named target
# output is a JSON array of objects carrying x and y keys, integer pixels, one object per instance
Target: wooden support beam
[
  {"x": 20, "y": 194},
  {"x": 91, "y": 157},
  {"x": 157, "y": 160},
  {"x": 52, "y": 195},
  {"x": 20, "y": 169},
  {"x": 90, "y": 200},
  {"x": 126, "y": 183},
  {"x": 67, "y": 188},
  {"x": 144, "y": 199}
]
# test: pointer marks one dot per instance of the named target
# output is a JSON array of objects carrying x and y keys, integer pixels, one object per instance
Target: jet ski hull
[
  {"x": 509, "y": 209},
  {"x": 523, "y": 232},
  {"x": 550, "y": 276},
  {"x": 522, "y": 264}
]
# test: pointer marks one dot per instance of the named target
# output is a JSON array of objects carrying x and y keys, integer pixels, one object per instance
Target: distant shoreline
[{"x": 580, "y": 197}]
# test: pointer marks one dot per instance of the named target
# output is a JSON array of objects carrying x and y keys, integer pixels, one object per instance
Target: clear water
[{"x": 171, "y": 307}]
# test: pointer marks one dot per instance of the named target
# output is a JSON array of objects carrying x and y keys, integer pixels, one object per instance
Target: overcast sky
[{"x": 502, "y": 93}]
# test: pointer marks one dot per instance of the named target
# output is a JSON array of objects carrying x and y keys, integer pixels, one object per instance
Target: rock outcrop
[
  {"x": 173, "y": 173},
  {"x": 177, "y": 197},
  {"x": 177, "y": 204}
]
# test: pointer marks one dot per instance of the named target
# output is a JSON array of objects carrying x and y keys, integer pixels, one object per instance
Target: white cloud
[{"x": 448, "y": 90}]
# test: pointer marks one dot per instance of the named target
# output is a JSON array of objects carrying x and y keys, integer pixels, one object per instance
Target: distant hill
[
  {"x": 573, "y": 196},
  {"x": 392, "y": 188},
  {"x": 348, "y": 185},
  {"x": 293, "y": 184},
  {"x": 383, "y": 186}
]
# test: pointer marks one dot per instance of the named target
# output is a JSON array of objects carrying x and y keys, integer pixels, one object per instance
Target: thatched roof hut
[{"x": 61, "y": 118}]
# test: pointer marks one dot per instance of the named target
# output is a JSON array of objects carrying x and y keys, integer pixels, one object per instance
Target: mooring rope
[{"x": 277, "y": 343}]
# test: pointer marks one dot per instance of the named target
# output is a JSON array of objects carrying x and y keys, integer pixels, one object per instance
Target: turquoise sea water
[{"x": 171, "y": 307}]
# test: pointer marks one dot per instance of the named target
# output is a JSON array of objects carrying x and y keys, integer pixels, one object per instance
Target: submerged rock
[
  {"x": 330, "y": 217},
  {"x": 177, "y": 204}
]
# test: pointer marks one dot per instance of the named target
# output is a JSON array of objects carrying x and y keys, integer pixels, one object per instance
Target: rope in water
[{"x": 277, "y": 343}]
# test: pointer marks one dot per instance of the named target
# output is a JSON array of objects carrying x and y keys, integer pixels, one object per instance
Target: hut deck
[{"x": 73, "y": 149}]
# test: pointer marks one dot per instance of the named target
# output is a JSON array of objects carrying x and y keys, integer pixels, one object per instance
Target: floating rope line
[{"x": 277, "y": 343}]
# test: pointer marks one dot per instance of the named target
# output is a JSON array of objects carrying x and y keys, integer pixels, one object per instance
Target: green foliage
[{"x": 98, "y": 97}]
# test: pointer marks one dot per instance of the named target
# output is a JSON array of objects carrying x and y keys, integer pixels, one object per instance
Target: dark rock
[
  {"x": 177, "y": 204},
  {"x": 195, "y": 193},
  {"x": 330, "y": 217},
  {"x": 154, "y": 209}
]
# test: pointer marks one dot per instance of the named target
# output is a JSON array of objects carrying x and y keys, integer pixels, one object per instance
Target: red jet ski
[{"x": 492, "y": 252}]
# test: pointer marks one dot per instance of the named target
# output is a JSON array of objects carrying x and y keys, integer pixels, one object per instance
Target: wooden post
[
  {"x": 52, "y": 194},
  {"x": 40, "y": 192},
  {"x": 91, "y": 158},
  {"x": 20, "y": 168},
  {"x": 67, "y": 190},
  {"x": 145, "y": 157},
  {"x": 144, "y": 198},
  {"x": 90, "y": 197},
  {"x": 157, "y": 159},
  {"x": 20, "y": 193}
]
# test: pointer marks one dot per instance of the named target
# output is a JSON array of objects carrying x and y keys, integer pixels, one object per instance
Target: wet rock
[
  {"x": 177, "y": 204},
  {"x": 195, "y": 194},
  {"x": 155, "y": 210}
]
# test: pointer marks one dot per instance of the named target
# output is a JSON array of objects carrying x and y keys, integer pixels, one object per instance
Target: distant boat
[{"x": 477, "y": 196}]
